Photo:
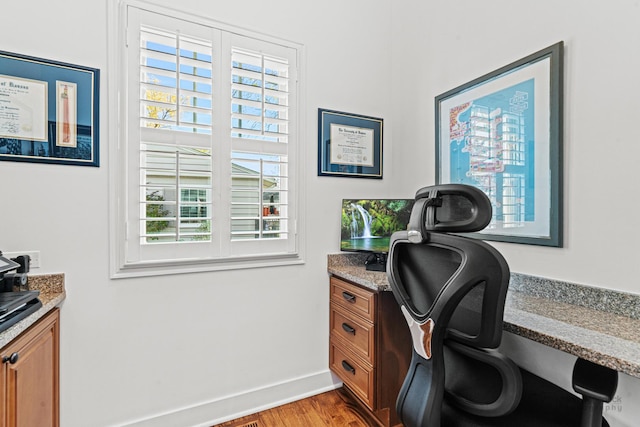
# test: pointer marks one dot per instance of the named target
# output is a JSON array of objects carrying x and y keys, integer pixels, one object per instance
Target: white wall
[
  {"x": 451, "y": 43},
  {"x": 439, "y": 45},
  {"x": 218, "y": 342}
]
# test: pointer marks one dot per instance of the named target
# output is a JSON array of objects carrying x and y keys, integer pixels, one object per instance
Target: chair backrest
[{"x": 451, "y": 289}]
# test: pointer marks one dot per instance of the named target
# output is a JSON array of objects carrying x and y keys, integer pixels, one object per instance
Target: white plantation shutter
[
  {"x": 259, "y": 208},
  {"x": 259, "y": 132},
  {"x": 261, "y": 78},
  {"x": 260, "y": 96},
  {"x": 210, "y": 140},
  {"x": 175, "y": 81},
  {"x": 175, "y": 96},
  {"x": 171, "y": 175}
]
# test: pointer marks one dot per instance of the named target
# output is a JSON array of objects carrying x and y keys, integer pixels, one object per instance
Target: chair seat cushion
[{"x": 542, "y": 404}]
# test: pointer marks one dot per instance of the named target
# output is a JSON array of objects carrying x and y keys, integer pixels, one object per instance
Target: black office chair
[{"x": 452, "y": 290}]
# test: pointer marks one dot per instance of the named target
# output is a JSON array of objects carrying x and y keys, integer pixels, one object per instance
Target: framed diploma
[
  {"x": 349, "y": 145},
  {"x": 48, "y": 111}
]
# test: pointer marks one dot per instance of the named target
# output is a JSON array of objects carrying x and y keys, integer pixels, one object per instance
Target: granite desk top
[
  {"x": 52, "y": 293},
  {"x": 598, "y": 325}
]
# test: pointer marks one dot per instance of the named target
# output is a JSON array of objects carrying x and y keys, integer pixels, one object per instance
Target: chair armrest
[{"x": 594, "y": 381}]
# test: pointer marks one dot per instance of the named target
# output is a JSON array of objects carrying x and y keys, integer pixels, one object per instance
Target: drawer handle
[
  {"x": 11, "y": 359},
  {"x": 348, "y": 329},
  {"x": 348, "y": 297},
  {"x": 348, "y": 367}
]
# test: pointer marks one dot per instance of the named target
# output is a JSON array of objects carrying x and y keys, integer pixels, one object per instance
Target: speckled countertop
[
  {"x": 596, "y": 324},
  {"x": 52, "y": 293}
]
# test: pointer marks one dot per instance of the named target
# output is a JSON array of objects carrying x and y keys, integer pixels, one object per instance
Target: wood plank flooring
[{"x": 334, "y": 408}]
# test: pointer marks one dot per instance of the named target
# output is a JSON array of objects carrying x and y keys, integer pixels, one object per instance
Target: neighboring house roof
[{"x": 241, "y": 170}]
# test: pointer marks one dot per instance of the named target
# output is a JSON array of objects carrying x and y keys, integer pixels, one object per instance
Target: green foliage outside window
[{"x": 156, "y": 210}]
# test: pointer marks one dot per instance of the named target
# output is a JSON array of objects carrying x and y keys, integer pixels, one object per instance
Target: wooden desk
[
  {"x": 595, "y": 324},
  {"x": 30, "y": 353},
  {"x": 52, "y": 294}
]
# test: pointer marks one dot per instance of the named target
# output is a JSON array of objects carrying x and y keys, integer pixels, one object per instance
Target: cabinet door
[{"x": 31, "y": 381}]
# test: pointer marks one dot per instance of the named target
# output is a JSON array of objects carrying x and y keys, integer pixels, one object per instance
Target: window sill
[{"x": 147, "y": 269}]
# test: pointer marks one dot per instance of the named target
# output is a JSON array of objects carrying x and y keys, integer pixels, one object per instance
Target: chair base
[{"x": 542, "y": 404}]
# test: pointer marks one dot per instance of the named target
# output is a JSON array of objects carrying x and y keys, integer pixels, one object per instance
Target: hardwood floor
[{"x": 334, "y": 408}]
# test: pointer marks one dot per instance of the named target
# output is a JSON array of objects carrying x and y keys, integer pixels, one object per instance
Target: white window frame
[{"x": 221, "y": 253}]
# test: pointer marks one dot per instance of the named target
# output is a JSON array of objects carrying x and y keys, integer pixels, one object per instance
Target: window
[{"x": 209, "y": 144}]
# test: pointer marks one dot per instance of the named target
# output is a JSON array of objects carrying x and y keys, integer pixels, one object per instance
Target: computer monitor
[{"x": 367, "y": 225}]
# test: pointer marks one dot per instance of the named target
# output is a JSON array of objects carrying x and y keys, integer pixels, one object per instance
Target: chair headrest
[{"x": 448, "y": 208}]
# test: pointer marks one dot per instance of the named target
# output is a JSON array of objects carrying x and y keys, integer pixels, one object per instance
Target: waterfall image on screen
[{"x": 367, "y": 224}]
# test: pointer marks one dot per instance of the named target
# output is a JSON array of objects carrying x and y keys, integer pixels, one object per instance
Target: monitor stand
[{"x": 376, "y": 262}]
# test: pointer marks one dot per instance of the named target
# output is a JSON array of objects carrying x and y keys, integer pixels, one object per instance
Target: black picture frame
[
  {"x": 49, "y": 111},
  {"x": 502, "y": 133},
  {"x": 349, "y": 145}
]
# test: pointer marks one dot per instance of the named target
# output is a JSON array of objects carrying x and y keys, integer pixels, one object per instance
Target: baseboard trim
[{"x": 238, "y": 405}]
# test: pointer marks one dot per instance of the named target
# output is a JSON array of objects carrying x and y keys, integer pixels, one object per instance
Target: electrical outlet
[{"x": 35, "y": 257}]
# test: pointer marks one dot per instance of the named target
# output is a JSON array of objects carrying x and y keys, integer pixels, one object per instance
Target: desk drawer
[
  {"x": 357, "y": 334},
  {"x": 353, "y": 372},
  {"x": 354, "y": 298}
]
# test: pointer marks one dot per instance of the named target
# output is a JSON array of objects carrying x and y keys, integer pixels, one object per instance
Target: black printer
[{"x": 16, "y": 302}]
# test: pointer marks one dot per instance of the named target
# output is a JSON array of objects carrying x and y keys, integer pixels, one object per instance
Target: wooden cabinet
[
  {"x": 29, "y": 394},
  {"x": 369, "y": 347}
]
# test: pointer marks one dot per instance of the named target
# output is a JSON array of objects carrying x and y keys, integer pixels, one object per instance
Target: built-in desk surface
[
  {"x": 598, "y": 325},
  {"x": 52, "y": 293}
]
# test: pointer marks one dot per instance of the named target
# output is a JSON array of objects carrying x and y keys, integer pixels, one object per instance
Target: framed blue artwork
[
  {"x": 349, "y": 145},
  {"x": 49, "y": 111},
  {"x": 502, "y": 133}
]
